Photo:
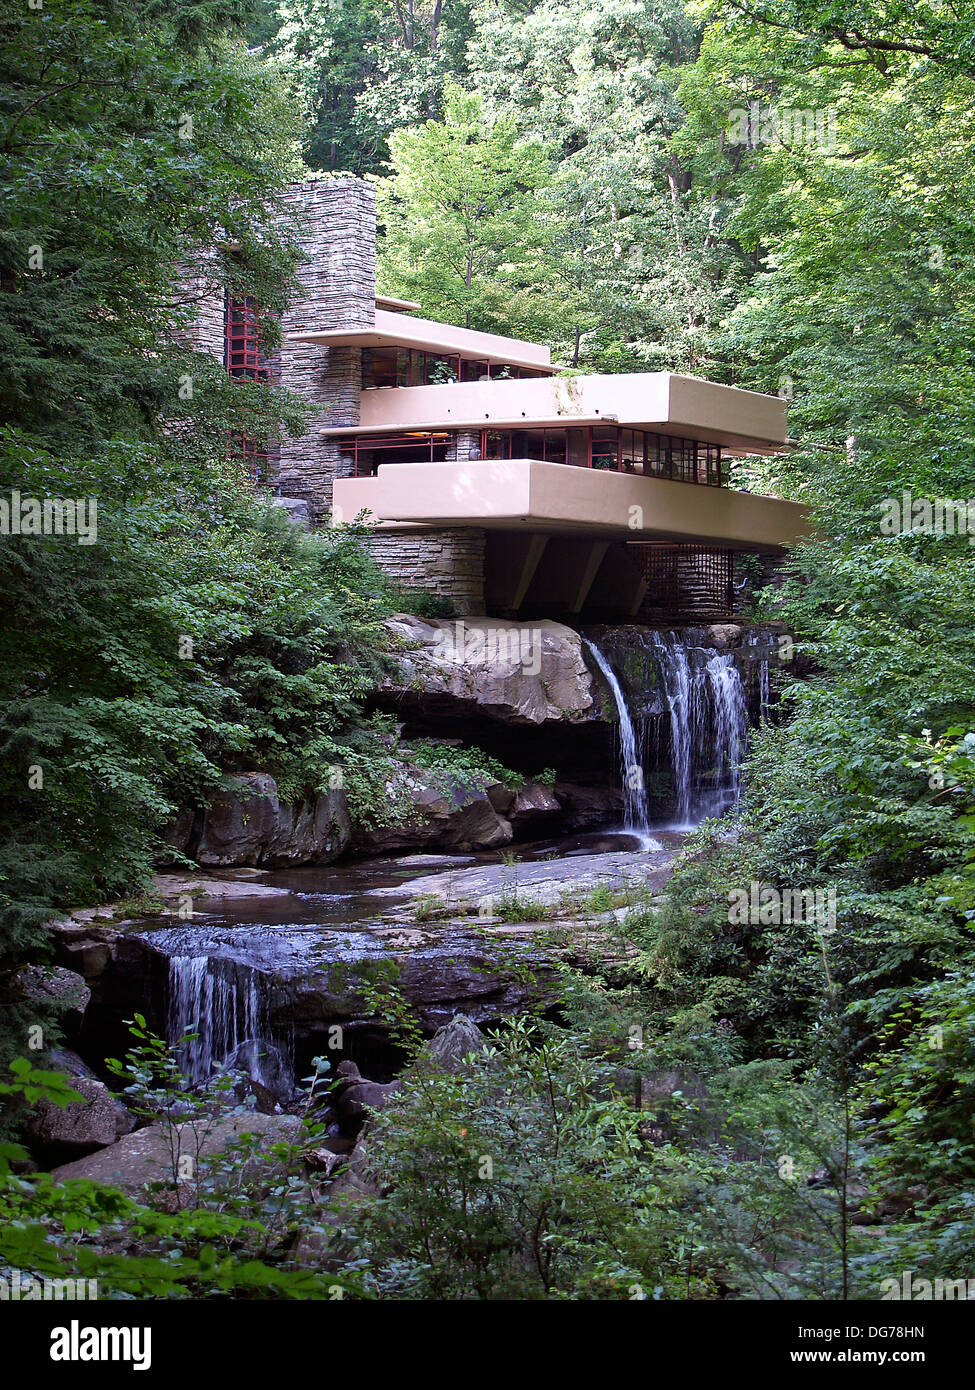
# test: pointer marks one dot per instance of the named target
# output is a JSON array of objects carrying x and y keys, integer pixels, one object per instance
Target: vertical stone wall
[
  {"x": 464, "y": 446},
  {"x": 449, "y": 563},
  {"x": 201, "y": 287},
  {"x": 336, "y": 223}
]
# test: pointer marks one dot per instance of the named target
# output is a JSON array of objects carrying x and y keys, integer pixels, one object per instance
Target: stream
[{"x": 264, "y": 983}]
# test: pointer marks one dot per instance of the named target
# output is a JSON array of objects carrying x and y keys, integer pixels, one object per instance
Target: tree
[
  {"x": 459, "y": 214},
  {"x": 140, "y": 668}
]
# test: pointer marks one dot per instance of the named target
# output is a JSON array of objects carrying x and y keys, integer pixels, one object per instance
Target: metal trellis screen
[{"x": 686, "y": 582}]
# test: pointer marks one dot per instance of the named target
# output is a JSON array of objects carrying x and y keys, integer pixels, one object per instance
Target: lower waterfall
[{"x": 220, "y": 1001}]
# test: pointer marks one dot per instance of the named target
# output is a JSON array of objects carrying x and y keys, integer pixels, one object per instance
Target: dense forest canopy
[{"x": 776, "y": 195}]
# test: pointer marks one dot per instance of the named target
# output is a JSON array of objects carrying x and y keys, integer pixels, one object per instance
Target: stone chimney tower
[{"x": 337, "y": 227}]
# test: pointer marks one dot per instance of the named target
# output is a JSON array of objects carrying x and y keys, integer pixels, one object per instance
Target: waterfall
[
  {"x": 689, "y": 695},
  {"x": 730, "y": 732},
  {"x": 221, "y": 1002},
  {"x": 708, "y": 715},
  {"x": 636, "y": 810},
  {"x": 681, "y": 695}
]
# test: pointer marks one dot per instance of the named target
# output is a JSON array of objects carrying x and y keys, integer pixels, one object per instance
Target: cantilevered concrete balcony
[
  {"x": 555, "y": 498},
  {"x": 745, "y": 421}
]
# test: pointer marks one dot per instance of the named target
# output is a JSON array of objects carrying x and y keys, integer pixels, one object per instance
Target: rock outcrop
[
  {"x": 437, "y": 809},
  {"x": 249, "y": 824},
  {"x": 147, "y": 1155},
  {"x": 63, "y": 991},
  {"x": 93, "y": 1122},
  {"x": 451, "y": 1045},
  {"x": 513, "y": 673}
]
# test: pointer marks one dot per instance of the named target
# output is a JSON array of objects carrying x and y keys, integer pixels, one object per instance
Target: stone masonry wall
[
  {"x": 465, "y": 446},
  {"x": 336, "y": 221},
  {"x": 449, "y": 563},
  {"x": 201, "y": 287}
]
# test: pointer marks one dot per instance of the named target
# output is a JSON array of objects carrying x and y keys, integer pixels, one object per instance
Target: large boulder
[
  {"x": 249, "y": 824},
  {"x": 63, "y": 991},
  {"x": 146, "y": 1156},
  {"x": 533, "y": 803},
  {"x": 450, "y": 970},
  {"x": 95, "y": 1121},
  {"x": 451, "y": 1045},
  {"x": 354, "y": 1096},
  {"x": 514, "y": 673},
  {"x": 588, "y": 808}
]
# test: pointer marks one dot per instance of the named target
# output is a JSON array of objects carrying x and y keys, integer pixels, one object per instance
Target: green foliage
[
  {"x": 465, "y": 766},
  {"x": 458, "y": 211},
  {"x": 519, "y": 1179},
  {"x": 230, "y": 1229},
  {"x": 197, "y": 634}
]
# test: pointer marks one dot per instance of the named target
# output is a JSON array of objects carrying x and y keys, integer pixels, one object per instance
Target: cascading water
[
  {"x": 636, "y": 809},
  {"x": 690, "y": 702},
  {"x": 220, "y": 1001},
  {"x": 730, "y": 732},
  {"x": 680, "y": 693}
]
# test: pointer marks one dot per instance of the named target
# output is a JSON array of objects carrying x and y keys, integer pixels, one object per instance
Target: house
[{"x": 488, "y": 477}]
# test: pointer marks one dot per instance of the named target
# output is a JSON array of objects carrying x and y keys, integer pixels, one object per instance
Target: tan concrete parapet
[
  {"x": 524, "y": 494},
  {"x": 396, "y": 330},
  {"x": 687, "y": 407}
]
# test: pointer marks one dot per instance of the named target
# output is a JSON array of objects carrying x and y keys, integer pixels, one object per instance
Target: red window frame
[
  {"x": 675, "y": 459},
  {"x": 244, "y": 359}
]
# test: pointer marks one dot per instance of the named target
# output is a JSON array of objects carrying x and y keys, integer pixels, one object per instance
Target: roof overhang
[
  {"x": 397, "y": 330},
  {"x": 401, "y": 306}
]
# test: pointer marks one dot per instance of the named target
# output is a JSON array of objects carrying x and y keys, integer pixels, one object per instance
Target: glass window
[
  {"x": 380, "y": 368},
  {"x": 474, "y": 370},
  {"x": 496, "y": 445},
  {"x": 604, "y": 446}
]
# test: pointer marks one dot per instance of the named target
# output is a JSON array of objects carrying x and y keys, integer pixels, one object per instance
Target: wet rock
[
  {"x": 724, "y": 634},
  {"x": 513, "y": 673},
  {"x": 458, "y": 973},
  {"x": 175, "y": 887},
  {"x": 443, "y": 811},
  {"x": 97, "y": 1120},
  {"x": 532, "y": 803},
  {"x": 63, "y": 990},
  {"x": 545, "y": 881},
  {"x": 178, "y": 834},
  {"x": 88, "y": 956},
  {"x": 249, "y": 824},
  {"x": 588, "y": 808},
  {"x": 356, "y": 1101}
]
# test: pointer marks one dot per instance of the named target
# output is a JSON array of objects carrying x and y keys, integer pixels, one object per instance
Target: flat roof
[
  {"x": 444, "y": 339},
  {"x": 403, "y": 306}
]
